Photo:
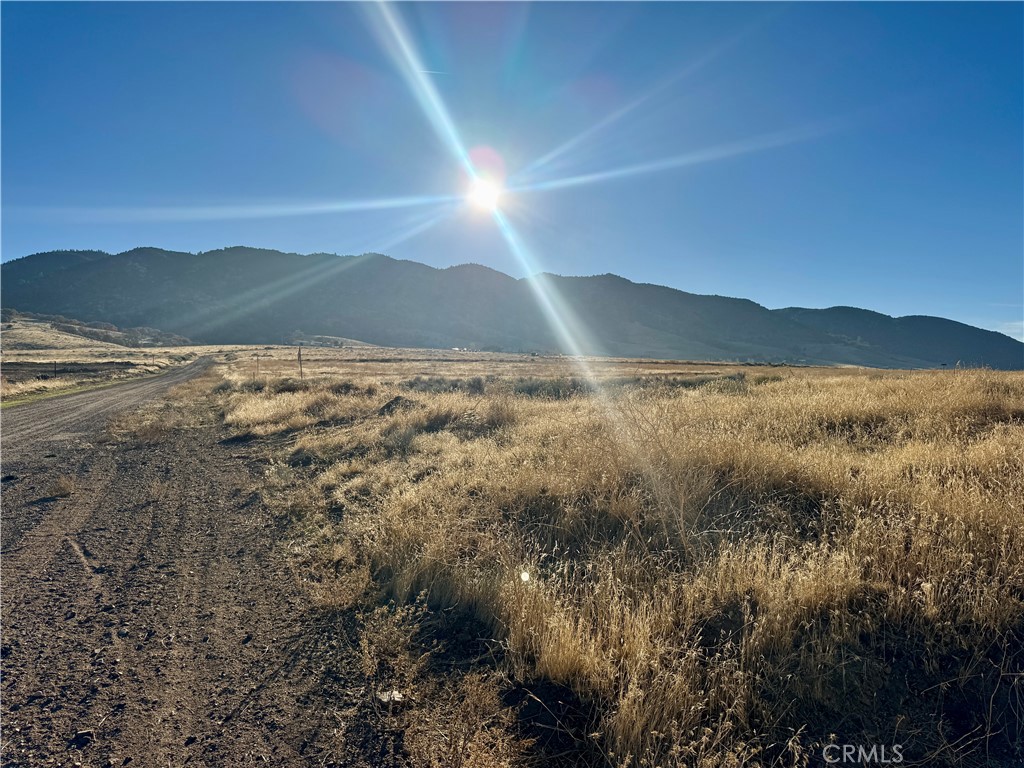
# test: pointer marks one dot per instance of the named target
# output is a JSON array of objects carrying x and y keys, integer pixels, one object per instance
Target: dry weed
[{"x": 730, "y": 573}]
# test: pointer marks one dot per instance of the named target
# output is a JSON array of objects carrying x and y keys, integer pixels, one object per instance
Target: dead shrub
[{"x": 61, "y": 487}]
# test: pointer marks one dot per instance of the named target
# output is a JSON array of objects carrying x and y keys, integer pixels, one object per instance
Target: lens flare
[{"x": 488, "y": 162}]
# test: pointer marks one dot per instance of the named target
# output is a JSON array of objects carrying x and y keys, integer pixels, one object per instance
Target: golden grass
[
  {"x": 12, "y": 392},
  {"x": 392, "y": 365},
  {"x": 728, "y": 574}
]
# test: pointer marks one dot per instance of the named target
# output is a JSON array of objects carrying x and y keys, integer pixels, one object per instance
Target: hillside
[
  {"x": 249, "y": 295},
  {"x": 27, "y": 331},
  {"x": 23, "y": 334}
]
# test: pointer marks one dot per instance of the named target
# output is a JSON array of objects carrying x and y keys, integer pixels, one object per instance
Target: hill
[
  {"x": 27, "y": 330},
  {"x": 250, "y": 295},
  {"x": 22, "y": 333}
]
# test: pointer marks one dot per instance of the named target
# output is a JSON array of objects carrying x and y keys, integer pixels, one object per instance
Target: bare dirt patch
[{"x": 150, "y": 614}]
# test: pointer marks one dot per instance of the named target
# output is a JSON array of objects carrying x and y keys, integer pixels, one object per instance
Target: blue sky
[{"x": 802, "y": 154}]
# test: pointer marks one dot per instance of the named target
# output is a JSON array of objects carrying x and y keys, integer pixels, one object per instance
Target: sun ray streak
[
  {"x": 208, "y": 318},
  {"x": 557, "y": 315},
  {"x": 572, "y": 336},
  {"x": 231, "y": 212},
  {"x": 566, "y": 328},
  {"x": 659, "y": 87},
  {"x": 710, "y": 154},
  {"x": 416, "y": 229},
  {"x": 396, "y": 42}
]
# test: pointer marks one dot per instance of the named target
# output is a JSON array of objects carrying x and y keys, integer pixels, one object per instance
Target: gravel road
[{"x": 30, "y": 428}]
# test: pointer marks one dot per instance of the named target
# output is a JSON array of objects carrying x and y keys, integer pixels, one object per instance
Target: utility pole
[{"x": 301, "y": 377}]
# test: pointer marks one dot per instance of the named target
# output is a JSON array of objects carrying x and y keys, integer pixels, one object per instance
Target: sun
[{"x": 484, "y": 194}]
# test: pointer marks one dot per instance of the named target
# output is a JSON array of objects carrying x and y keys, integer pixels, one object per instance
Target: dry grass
[
  {"x": 14, "y": 390},
  {"x": 410, "y": 717},
  {"x": 28, "y": 334},
  {"x": 729, "y": 573},
  {"x": 386, "y": 365},
  {"x": 61, "y": 487}
]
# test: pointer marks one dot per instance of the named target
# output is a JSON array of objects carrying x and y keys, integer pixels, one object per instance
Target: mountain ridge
[{"x": 240, "y": 294}]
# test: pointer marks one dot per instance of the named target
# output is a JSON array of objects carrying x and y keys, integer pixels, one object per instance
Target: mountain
[
  {"x": 915, "y": 337},
  {"x": 250, "y": 295}
]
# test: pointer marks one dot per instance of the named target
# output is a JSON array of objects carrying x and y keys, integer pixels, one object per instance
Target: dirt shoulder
[{"x": 149, "y": 613}]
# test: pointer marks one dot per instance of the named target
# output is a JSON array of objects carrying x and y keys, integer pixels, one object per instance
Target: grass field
[{"x": 668, "y": 564}]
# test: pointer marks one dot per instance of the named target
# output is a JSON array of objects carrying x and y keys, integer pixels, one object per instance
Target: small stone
[{"x": 82, "y": 739}]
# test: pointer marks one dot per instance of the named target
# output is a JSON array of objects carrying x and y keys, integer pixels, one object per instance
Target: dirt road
[
  {"x": 149, "y": 614},
  {"x": 27, "y": 428}
]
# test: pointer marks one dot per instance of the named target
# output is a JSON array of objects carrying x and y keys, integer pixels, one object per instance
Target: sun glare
[{"x": 484, "y": 195}]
